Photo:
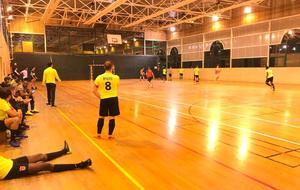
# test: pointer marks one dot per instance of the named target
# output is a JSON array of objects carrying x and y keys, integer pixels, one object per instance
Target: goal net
[{"x": 95, "y": 70}]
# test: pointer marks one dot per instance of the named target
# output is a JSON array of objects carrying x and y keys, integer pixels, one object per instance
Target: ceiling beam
[
  {"x": 234, "y": 6},
  {"x": 51, "y": 6},
  {"x": 27, "y": 9},
  {"x": 103, "y": 12},
  {"x": 163, "y": 11}
]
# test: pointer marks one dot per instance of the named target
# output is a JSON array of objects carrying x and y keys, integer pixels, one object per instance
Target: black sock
[
  {"x": 111, "y": 126},
  {"x": 53, "y": 155},
  {"x": 13, "y": 135},
  {"x": 63, "y": 167},
  {"x": 100, "y": 125},
  {"x": 84, "y": 164}
]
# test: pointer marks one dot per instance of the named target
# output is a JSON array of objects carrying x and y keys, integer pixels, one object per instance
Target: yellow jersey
[
  {"x": 164, "y": 71},
  {"x": 5, "y": 166},
  {"x": 107, "y": 84},
  {"x": 50, "y": 76},
  {"x": 181, "y": 71},
  {"x": 196, "y": 71},
  {"x": 269, "y": 73},
  {"x": 13, "y": 82},
  {"x": 4, "y": 107}
]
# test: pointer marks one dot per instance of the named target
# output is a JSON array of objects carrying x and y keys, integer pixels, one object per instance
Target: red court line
[{"x": 205, "y": 156}]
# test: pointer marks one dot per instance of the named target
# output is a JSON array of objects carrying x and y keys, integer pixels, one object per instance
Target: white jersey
[{"x": 25, "y": 74}]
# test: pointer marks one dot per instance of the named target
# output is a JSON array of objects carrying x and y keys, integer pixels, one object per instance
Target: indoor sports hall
[{"x": 150, "y": 94}]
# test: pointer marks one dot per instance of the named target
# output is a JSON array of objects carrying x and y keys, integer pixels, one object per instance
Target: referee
[
  {"x": 50, "y": 77},
  {"x": 106, "y": 89}
]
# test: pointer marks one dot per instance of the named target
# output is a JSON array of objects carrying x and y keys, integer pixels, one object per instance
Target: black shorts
[
  {"x": 170, "y": 75},
  {"x": 197, "y": 78},
  {"x": 2, "y": 126},
  {"x": 269, "y": 80},
  {"x": 109, "y": 107},
  {"x": 181, "y": 74},
  {"x": 19, "y": 169},
  {"x": 149, "y": 79}
]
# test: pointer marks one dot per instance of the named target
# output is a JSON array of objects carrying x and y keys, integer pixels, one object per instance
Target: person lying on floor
[{"x": 30, "y": 165}]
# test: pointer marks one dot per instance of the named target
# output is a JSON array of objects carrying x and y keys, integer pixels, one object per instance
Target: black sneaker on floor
[
  {"x": 85, "y": 164},
  {"x": 21, "y": 136},
  {"x": 24, "y": 127},
  {"x": 14, "y": 143},
  {"x": 67, "y": 148}
]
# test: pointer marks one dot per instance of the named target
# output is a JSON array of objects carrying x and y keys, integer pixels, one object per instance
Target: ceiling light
[
  {"x": 248, "y": 10},
  {"x": 9, "y": 9},
  {"x": 291, "y": 32},
  {"x": 215, "y": 18},
  {"x": 173, "y": 29}
]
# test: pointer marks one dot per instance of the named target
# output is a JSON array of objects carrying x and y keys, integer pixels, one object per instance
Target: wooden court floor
[{"x": 177, "y": 135}]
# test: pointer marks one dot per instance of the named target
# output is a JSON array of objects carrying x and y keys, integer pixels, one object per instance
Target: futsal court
[
  {"x": 221, "y": 136},
  {"x": 149, "y": 94}
]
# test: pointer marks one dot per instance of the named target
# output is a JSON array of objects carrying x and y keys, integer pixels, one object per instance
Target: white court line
[
  {"x": 226, "y": 112},
  {"x": 225, "y": 107},
  {"x": 224, "y": 124},
  {"x": 253, "y": 104}
]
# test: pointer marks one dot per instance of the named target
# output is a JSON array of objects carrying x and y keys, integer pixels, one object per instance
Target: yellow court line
[{"x": 115, "y": 163}]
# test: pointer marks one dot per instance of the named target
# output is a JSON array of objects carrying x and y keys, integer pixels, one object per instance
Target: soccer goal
[{"x": 95, "y": 70}]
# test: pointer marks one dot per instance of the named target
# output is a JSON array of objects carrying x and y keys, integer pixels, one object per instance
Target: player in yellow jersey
[
  {"x": 164, "y": 72},
  {"x": 269, "y": 78},
  {"x": 9, "y": 117},
  {"x": 196, "y": 74},
  {"x": 106, "y": 89},
  {"x": 181, "y": 73},
  {"x": 50, "y": 77},
  {"x": 30, "y": 165}
]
